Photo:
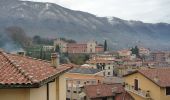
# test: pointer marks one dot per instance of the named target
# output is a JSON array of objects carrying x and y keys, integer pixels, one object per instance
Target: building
[
  {"x": 105, "y": 92},
  {"x": 91, "y": 46},
  {"x": 79, "y": 77},
  {"x": 107, "y": 66},
  {"x": 158, "y": 56},
  {"x": 149, "y": 84},
  {"x": 62, "y": 45},
  {"x": 25, "y": 78},
  {"x": 76, "y": 48},
  {"x": 103, "y": 57},
  {"x": 125, "y": 52},
  {"x": 144, "y": 51},
  {"x": 48, "y": 48},
  {"x": 99, "y": 49}
]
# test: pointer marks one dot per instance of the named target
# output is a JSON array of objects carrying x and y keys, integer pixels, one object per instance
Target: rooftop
[
  {"x": 107, "y": 90},
  {"x": 162, "y": 75},
  {"x": 20, "y": 71}
]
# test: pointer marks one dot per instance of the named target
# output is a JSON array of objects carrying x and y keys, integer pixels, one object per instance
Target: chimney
[
  {"x": 114, "y": 89},
  {"x": 55, "y": 60},
  {"x": 156, "y": 79}
]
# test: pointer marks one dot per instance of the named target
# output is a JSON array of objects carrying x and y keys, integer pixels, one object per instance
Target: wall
[
  {"x": 91, "y": 47},
  {"x": 41, "y": 93},
  {"x": 14, "y": 94},
  {"x": 38, "y": 93},
  {"x": 52, "y": 91},
  {"x": 144, "y": 84},
  {"x": 35, "y": 93},
  {"x": 62, "y": 87}
]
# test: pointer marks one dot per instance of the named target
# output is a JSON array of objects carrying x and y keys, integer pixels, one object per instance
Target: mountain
[{"x": 49, "y": 20}]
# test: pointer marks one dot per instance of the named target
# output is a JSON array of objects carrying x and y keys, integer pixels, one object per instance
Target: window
[
  {"x": 79, "y": 92},
  {"x": 136, "y": 84},
  {"x": 167, "y": 90},
  {"x": 84, "y": 83},
  {"x": 108, "y": 67},
  {"x": 108, "y": 73},
  {"x": 67, "y": 98},
  {"x": 98, "y": 81},
  {"x": 74, "y": 91},
  {"x": 68, "y": 90}
]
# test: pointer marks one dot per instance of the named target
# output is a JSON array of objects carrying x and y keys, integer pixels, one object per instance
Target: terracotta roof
[
  {"x": 124, "y": 96},
  {"x": 105, "y": 90},
  {"x": 162, "y": 74},
  {"x": 19, "y": 71}
]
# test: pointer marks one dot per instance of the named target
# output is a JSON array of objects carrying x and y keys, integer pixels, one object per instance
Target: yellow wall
[
  {"x": 14, "y": 94},
  {"x": 38, "y": 93},
  {"x": 144, "y": 84},
  {"x": 163, "y": 94},
  {"x": 52, "y": 91},
  {"x": 57, "y": 91},
  {"x": 62, "y": 87}
]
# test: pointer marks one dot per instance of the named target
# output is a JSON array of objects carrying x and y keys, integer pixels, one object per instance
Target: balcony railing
[{"x": 142, "y": 93}]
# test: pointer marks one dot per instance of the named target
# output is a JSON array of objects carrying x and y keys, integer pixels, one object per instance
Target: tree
[
  {"x": 37, "y": 39},
  {"x": 105, "y": 45}
]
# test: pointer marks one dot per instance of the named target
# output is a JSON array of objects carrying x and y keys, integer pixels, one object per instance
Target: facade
[
  {"x": 91, "y": 46},
  {"x": 99, "y": 49},
  {"x": 25, "y": 78},
  {"x": 105, "y": 92},
  {"x": 148, "y": 84},
  {"x": 79, "y": 77},
  {"x": 104, "y": 65},
  {"x": 76, "y": 48}
]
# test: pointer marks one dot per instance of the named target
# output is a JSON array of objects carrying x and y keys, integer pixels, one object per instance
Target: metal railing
[{"x": 140, "y": 92}]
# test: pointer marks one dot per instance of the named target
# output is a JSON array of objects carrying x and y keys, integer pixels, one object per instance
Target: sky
[{"x": 149, "y": 11}]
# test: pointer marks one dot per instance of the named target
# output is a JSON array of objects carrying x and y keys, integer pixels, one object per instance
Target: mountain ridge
[{"x": 38, "y": 18}]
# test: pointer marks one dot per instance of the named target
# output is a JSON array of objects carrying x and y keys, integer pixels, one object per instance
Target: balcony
[{"x": 139, "y": 92}]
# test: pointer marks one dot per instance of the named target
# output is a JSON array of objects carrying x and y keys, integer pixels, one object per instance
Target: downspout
[{"x": 48, "y": 91}]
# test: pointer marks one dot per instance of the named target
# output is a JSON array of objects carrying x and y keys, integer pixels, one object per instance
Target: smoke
[{"x": 7, "y": 44}]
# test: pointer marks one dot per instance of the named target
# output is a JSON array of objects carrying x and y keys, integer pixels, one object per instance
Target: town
[
  {"x": 136, "y": 73},
  {"x": 84, "y": 50}
]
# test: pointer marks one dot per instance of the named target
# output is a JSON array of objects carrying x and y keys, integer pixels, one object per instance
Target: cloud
[{"x": 145, "y": 10}]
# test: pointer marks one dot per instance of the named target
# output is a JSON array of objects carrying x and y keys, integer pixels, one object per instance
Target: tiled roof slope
[
  {"x": 106, "y": 90},
  {"x": 159, "y": 76},
  {"x": 20, "y": 71}
]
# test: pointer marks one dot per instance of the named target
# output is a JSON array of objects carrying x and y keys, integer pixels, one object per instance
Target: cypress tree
[{"x": 105, "y": 45}]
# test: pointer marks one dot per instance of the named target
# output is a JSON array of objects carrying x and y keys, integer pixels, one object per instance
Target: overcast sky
[{"x": 145, "y": 10}]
